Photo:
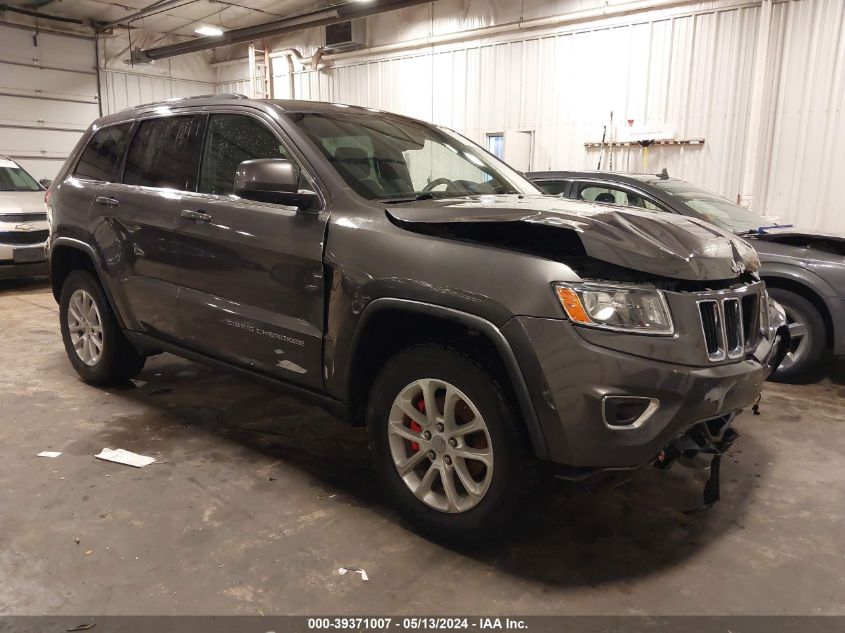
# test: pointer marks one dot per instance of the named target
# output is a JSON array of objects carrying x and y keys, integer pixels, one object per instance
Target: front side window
[
  {"x": 613, "y": 195},
  {"x": 164, "y": 153},
  {"x": 553, "y": 187},
  {"x": 14, "y": 178},
  {"x": 391, "y": 159},
  {"x": 230, "y": 140},
  {"x": 102, "y": 153}
]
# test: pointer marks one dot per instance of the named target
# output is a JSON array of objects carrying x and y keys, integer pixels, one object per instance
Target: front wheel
[
  {"x": 446, "y": 445},
  {"x": 94, "y": 342},
  {"x": 807, "y": 332}
]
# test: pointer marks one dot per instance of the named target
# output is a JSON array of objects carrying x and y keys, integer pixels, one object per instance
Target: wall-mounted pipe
[{"x": 325, "y": 17}]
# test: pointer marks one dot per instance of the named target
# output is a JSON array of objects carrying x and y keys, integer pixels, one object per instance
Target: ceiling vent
[{"x": 346, "y": 36}]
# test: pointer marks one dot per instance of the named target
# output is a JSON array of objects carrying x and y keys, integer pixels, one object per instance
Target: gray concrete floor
[{"x": 259, "y": 498}]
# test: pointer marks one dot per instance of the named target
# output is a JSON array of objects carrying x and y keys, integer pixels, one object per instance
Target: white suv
[{"x": 23, "y": 222}]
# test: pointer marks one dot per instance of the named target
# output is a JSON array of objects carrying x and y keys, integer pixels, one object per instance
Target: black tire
[
  {"x": 513, "y": 480},
  {"x": 119, "y": 360},
  {"x": 806, "y": 364}
]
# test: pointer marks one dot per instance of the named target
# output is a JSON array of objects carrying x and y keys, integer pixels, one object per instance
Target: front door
[{"x": 252, "y": 273}]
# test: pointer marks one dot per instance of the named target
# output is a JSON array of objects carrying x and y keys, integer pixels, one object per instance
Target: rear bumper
[{"x": 570, "y": 378}]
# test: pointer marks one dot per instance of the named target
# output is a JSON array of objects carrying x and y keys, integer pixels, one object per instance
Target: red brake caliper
[{"x": 415, "y": 446}]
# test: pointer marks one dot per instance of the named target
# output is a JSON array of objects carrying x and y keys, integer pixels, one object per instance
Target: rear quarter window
[{"x": 101, "y": 155}]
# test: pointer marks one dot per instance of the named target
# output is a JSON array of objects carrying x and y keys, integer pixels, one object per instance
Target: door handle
[
  {"x": 199, "y": 216},
  {"x": 106, "y": 201}
]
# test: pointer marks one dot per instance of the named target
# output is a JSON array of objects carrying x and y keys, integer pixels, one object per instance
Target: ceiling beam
[{"x": 331, "y": 15}]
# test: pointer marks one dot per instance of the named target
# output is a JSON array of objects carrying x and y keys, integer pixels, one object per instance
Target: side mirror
[
  {"x": 45, "y": 182},
  {"x": 274, "y": 180}
]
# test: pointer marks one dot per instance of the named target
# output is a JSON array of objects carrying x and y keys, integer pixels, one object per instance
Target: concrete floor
[{"x": 260, "y": 498}]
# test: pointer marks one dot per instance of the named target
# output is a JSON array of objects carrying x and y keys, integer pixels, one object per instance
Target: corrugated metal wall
[
  {"x": 689, "y": 69},
  {"x": 805, "y": 151},
  {"x": 124, "y": 89}
]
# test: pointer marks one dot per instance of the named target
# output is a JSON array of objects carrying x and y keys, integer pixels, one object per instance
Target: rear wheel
[
  {"x": 807, "y": 332},
  {"x": 94, "y": 342},
  {"x": 446, "y": 445}
]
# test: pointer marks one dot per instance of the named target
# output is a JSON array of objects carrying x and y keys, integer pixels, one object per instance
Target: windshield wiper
[
  {"x": 422, "y": 196},
  {"x": 761, "y": 230}
]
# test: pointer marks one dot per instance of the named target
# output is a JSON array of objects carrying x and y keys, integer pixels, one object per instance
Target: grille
[
  {"x": 24, "y": 237},
  {"x": 730, "y": 326},
  {"x": 23, "y": 217}
]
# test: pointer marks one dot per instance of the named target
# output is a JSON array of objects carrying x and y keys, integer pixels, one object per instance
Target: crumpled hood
[
  {"x": 662, "y": 244},
  {"x": 21, "y": 202}
]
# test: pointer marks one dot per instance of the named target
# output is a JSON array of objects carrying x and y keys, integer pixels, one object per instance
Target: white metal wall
[
  {"x": 48, "y": 96},
  {"x": 805, "y": 150},
  {"x": 689, "y": 68}
]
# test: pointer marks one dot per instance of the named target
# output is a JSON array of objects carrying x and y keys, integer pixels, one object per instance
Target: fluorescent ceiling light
[{"x": 209, "y": 30}]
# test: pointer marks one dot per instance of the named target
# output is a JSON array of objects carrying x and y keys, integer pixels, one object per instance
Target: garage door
[{"x": 48, "y": 96}]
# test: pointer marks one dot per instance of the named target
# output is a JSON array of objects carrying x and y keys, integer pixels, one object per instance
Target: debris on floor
[
  {"x": 121, "y": 456},
  {"x": 51, "y": 454},
  {"x": 138, "y": 383},
  {"x": 357, "y": 570}
]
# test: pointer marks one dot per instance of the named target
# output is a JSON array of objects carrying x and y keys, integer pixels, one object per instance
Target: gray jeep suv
[{"x": 407, "y": 280}]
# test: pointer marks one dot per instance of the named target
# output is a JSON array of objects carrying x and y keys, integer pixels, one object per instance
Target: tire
[
  {"x": 115, "y": 360},
  {"x": 809, "y": 343},
  {"x": 501, "y": 493}
]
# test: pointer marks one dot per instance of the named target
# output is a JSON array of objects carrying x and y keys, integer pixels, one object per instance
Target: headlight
[{"x": 621, "y": 308}]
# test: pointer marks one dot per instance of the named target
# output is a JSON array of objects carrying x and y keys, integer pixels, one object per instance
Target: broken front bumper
[{"x": 577, "y": 387}]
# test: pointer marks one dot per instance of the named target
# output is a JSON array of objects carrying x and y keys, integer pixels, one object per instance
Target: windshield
[
  {"x": 712, "y": 207},
  {"x": 14, "y": 178},
  {"x": 390, "y": 159}
]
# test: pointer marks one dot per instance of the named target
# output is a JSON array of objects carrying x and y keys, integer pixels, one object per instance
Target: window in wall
[
  {"x": 102, "y": 153},
  {"x": 164, "y": 153},
  {"x": 230, "y": 140},
  {"x": 496, "y": 145}
]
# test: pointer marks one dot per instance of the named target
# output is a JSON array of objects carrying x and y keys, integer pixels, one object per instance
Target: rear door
[
  {"x": 136, "y": 218},
  {"x": 252, "y": 286}
]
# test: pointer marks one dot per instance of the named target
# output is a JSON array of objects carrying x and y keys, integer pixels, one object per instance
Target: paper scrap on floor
[
  {"x": 121, "y": 456},
  {"x": 49, "y": 454},
  {"x": 357, "y": 570}
]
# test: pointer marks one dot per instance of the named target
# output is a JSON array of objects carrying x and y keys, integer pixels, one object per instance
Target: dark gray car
[
  {"x": 407, "y": 280},
  {"x": 804, "y": 271}
]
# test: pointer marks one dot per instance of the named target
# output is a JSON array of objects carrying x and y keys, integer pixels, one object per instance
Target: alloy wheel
[
  {"x": 800, "y": 338},
  {"x": 440, "y": 445},
  {"x": 85, "y": 327}
]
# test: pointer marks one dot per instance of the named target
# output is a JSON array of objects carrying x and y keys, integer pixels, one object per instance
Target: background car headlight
[{"x": 621, "y": 308}]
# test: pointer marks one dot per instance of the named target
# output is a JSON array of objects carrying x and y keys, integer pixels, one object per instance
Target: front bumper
[
  {"x": 570, "y": 377},
  {"x": 10, "y": 269}
]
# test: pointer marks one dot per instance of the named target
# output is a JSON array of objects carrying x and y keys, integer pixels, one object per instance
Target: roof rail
[{"x": 221, "y": 96}]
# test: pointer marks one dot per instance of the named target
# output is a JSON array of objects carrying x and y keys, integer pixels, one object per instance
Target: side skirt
[{"x": 150, "y": 344}]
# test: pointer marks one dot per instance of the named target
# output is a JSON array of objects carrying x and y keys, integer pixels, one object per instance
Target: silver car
[{"x": 23, "y": 222}]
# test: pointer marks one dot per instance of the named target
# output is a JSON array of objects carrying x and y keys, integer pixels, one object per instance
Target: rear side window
[
  {"x": 230, "y": 140},
  {"x": 102, "y": 153},
  {"x": 164, "y": 153}
]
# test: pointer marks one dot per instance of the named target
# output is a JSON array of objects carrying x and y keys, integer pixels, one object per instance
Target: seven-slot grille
[{"x": 730, "y": 325}]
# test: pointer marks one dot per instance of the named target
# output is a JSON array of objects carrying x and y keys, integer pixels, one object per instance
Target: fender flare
[
  {"x": 71, "y": 242},
  {"x": 490, "y": 330}
]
